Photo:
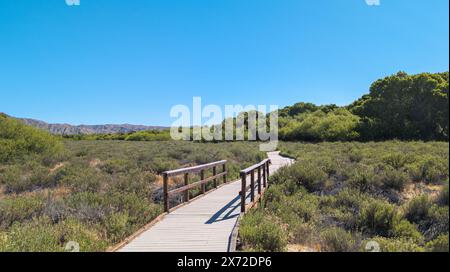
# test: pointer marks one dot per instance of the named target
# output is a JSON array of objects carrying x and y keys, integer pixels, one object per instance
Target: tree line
[{"x": 401, "y": 106}]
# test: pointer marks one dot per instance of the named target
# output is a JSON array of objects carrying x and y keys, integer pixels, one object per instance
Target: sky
[{"x": 131, "y": 61}]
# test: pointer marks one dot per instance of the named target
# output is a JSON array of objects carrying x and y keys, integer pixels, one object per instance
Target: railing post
[
  {"x": 186, "y": 182},
  {"x": 252, "y": 185},
  {"x": 224, "y": 169},
  {"x": 268, "y": 171},
  {"x": 166, "y": 192},
  {"x": 264, "y": 176},
  {"x": 202, "y": 177},
  {"x": 259, "y": 180},
  {"x": 215, "y": 173},
  {"x": 243, "y": 191}
]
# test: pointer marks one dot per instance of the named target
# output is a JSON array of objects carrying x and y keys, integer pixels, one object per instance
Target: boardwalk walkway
[{"x": 204, "y": 225}]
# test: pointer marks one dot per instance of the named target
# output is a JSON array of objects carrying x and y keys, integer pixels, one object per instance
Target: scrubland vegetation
[
  {"x": 342, "y": 192},
  {"x": 339, "y": 196},
  {"x": 93, "y": 192}
]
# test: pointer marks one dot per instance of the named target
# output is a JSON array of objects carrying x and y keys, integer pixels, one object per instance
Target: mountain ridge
[{"x": 67, "y": 129}]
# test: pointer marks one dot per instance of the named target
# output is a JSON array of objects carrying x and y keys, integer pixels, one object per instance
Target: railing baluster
[
  {"x": 252, "y": 186},
  {"x": 224, "y": 169},
  {"x": 166, "y": 192},
  {"x": 243, "y": 191},
  {"x": 202, "y": 177},
  {"x": 264, "y": 177},
  {"x": 186, "y": 182},
  {"x": 259, "y": 180},
  {"x": 214, "y": 174}
]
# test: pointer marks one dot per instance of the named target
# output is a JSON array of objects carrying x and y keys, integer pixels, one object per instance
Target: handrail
[
  {"x": 263, "y": 172},
  {"x": 193, "y": 169},
  {"x": 253, "y": 167},
  {"x": 187, "y": 186}
]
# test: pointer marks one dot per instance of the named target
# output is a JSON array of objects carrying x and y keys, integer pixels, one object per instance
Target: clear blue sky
[{"x": 111, "y": 61}]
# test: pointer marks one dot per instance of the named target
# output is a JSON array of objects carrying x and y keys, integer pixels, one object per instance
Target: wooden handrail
[
  {"x": 187, "y": 186},
  {"x": 253, "y": 167},
  {"x": 262, "y": 170},
  {"x": 193, "y": 169}
]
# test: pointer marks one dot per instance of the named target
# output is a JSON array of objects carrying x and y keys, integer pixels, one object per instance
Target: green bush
[
  {"x": 418, "y": 209},
  {"x": 19, "y": 209},
  {"x": 40, "y": 235},
  {"x": 440, "y": 244},
  {"x": 363, "y": 179},
  {"x": 398, "y": 160},
  {"x": 394, "y": 179},
  {"x": 443, "y": 197},
  {"x": 404, "y": 229},
  {"x": 334, "y": 125},
  {"x": 338, "y": 240},
  {"x": 378, "y": 218},
  {"x": 260, "y": 233},
  {"x": 429, "y": 169},
  {"x": 305, "y": 174},
  {"x": 117, "y": 226},
  {"x": 26, "y": 177},
  {"x": 18, "y": 141}
]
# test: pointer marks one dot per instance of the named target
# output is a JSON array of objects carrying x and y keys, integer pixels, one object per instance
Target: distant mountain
[{"x": 66, "y": 129}]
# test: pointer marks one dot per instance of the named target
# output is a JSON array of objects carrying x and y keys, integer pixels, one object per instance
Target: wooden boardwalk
[{"x": 203, "y": 225}]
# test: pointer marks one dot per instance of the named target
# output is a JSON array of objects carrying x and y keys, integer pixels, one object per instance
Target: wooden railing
[
  {"x": 262, "y": 170},
  {"x": 187, "y": 186}
]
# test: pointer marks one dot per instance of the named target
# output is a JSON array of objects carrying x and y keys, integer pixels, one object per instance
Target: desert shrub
[
  {"x": 140, "y": 183},
  {"x": 394, "y": 179},
  {"x": 363, "y": 179},
  {"x": 139, "y": 210},
  {"x": 355, "y": 156},
  {"x": 443, "y": 197},
  {"x": 160, "y": 165},
  {"x": 440, "y": 244},
  {"x": 378, "y": 218},
  {"x": 398, "y": 160},
  {"x": 404, "y": 229},
  {"x": 26, "y": 177},
  {"x": 19, "y": 208},
  {"x": 114, "y": 166},
  {"x": 88, "y": 207},
  {"x": 40, "y": 235},
  {"x": 338, "y": 240},
  {"x": 117, "y": 226},
  {"x": 429, "y": 169},
  {"x": 418, "y": 209},
  {"x": 261, "y": 233},
  {"x": 304, "y": 174},
  {"x": 437, "y": 222},
  {"x": 79, "y": 178}
]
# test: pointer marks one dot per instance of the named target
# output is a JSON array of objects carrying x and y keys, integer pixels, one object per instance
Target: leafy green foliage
[
  {"x": 18, "y": 141},
  {"x": 401, "y": 106},
  {"x": 405, "y": 106},
  {"x": 340, "y": 196},
  {"x": 335, "y": 125},
  {"x": 261, "y": 233}
]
